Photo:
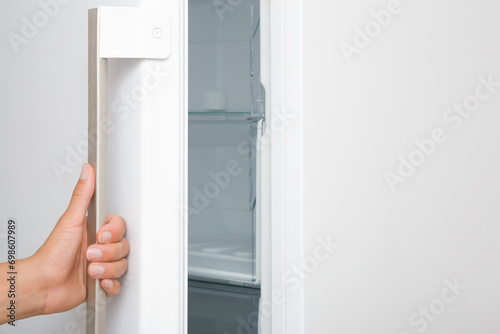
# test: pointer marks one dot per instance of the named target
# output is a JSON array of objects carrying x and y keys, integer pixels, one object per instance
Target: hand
[{"x": 61, "y": 259}]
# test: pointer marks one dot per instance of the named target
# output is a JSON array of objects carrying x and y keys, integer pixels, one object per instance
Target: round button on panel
[{"x": 157, "y": 33}]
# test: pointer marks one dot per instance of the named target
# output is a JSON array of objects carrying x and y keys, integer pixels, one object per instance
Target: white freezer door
[
  {"x": 43, "y": 143},
  {"x": 420, "y": 255}
]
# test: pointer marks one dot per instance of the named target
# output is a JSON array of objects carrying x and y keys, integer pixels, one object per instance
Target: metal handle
[
  {"x": 98, "y": 143},
  {"x": 114, "y": 32}
]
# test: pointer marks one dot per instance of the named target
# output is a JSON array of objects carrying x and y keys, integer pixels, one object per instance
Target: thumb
[{"x": 82, "y": 194}]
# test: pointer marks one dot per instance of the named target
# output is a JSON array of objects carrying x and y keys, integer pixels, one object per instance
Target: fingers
[
  {"x": 103, "y": 270},
  {"x": 108, "y": 252},
  {"x": 82, "y": 194},
  {"x": 113, "y": 230},
  {"x": 111, "y": 286}
]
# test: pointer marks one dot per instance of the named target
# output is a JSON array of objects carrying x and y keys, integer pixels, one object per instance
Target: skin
[{"x": 53, "y": 279}]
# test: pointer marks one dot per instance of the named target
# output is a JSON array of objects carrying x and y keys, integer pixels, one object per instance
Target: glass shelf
[{"x": 222, "y": 116}]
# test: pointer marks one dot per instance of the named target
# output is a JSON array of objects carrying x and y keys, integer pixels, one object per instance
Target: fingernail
[
  {"x": 104, "y": 237},
  {"x": 85, "y": 172},
  {"x": 93, "y": 254},
  {"x": 109, "y": 284},
  {"x": 96, "y": 270}
]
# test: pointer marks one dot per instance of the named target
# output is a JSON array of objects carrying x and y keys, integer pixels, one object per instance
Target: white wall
[{"x": 398, "y": 248}]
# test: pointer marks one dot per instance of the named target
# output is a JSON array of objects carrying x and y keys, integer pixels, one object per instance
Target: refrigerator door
[
  {"x": 401, "y": 168},
  {"x": 43, "y": 141}
]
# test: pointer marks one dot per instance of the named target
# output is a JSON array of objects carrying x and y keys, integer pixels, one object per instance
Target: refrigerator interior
[{"x": 226, "y": 122}]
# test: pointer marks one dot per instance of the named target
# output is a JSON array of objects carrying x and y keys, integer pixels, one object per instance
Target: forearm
[{"x": 22, "y": 294}]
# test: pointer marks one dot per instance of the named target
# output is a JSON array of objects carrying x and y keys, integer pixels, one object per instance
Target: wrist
[{"x": 32, "y": 288}]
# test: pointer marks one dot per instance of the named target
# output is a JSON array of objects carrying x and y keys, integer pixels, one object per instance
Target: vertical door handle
[{"x": 114, "y": 32}]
